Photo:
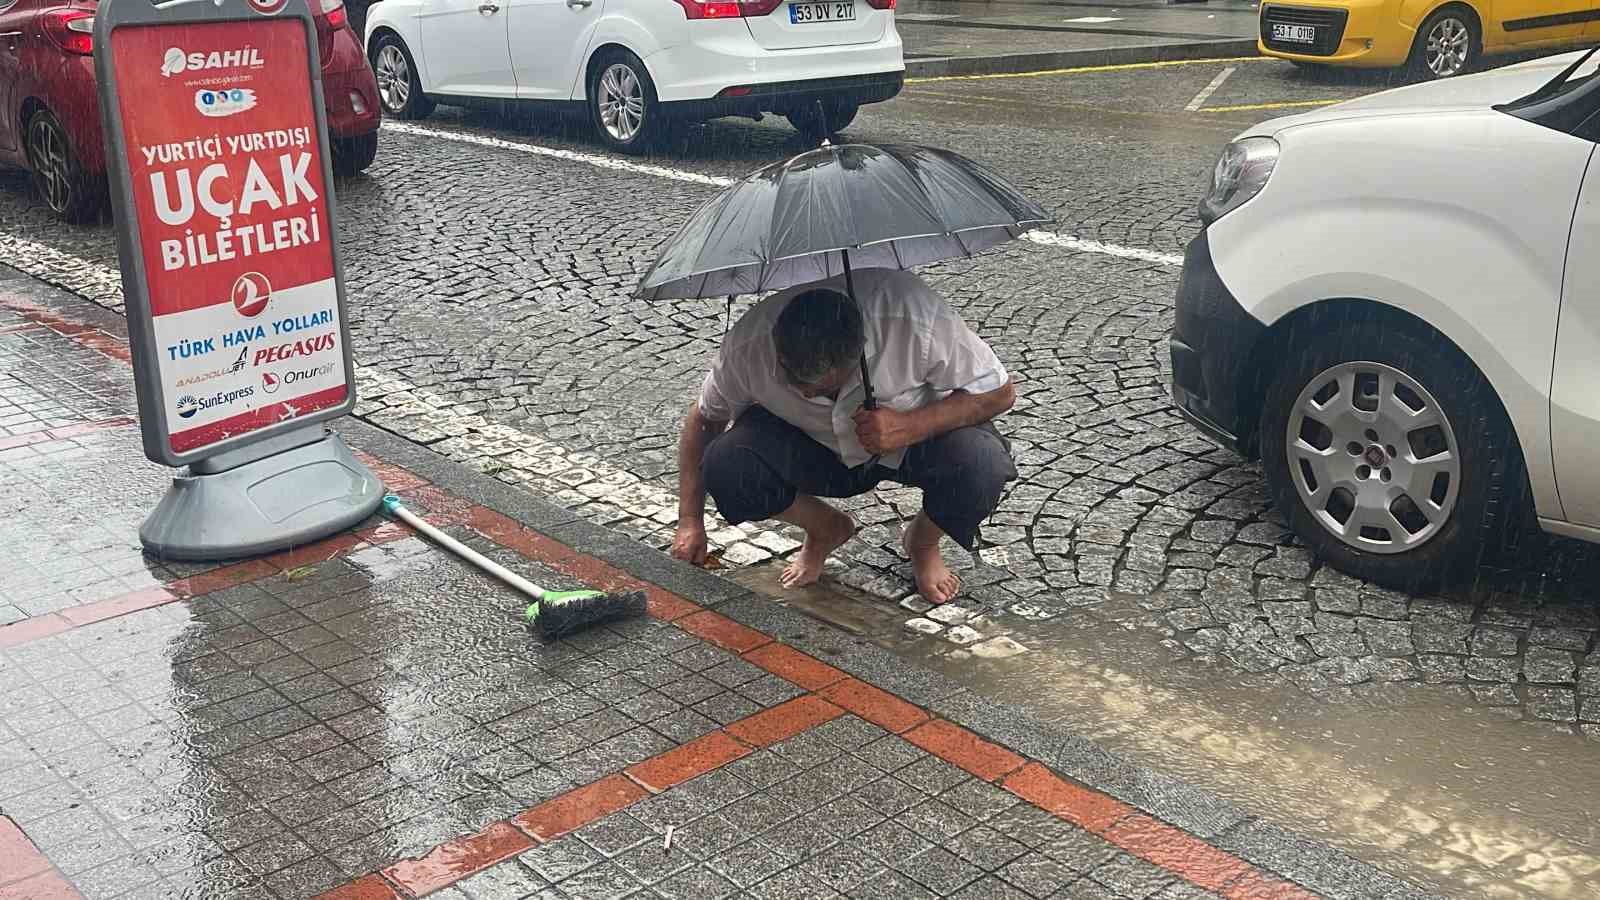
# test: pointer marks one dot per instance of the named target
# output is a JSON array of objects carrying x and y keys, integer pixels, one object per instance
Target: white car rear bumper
[{"x": 723, "y": 55}]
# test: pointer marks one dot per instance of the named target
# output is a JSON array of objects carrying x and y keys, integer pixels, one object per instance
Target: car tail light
[
  {"x": 338, "y": 17},
  {"x": 881, "y": 4},
  {"x": 332, "y": 18},
  {"x": 70, "y": 29},
  {"x": 727, "y": 9},
  {"x": 717, "y": 9}
]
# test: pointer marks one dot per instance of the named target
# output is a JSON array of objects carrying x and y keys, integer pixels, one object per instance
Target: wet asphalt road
[{"x": 1161, "y": 604}]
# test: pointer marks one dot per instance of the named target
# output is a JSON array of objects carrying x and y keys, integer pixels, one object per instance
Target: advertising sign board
[{"x": 230, "y": 260}]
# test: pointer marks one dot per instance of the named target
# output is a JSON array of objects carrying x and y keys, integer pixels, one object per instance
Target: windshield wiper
[{"x": 1554, "y": 85}]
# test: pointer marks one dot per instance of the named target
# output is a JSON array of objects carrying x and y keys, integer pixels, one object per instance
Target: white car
[
  {"x": 1395, "y": 302},
  {"x": 638, "y": 64}
]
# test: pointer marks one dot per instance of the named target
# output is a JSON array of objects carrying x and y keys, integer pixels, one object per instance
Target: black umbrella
[{"x": 826, "y": 210}]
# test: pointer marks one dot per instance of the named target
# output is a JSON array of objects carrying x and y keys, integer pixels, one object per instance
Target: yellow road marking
[
  {"x": 1079, "y": 70},
  {"x": 1286, "y": 105}
]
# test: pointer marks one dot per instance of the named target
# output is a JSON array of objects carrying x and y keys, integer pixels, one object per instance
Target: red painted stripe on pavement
[
  {"x": 784, "y": 721},
  {"x": 452, "y": 861},
  {"x": 723, "y": 631},
  {"x": 957, "y": 745},
  {"x": 19, "y": 859},
  {"x": 64, "y": 431},
  {"x": 1088, "y": 809},
  {"x": 25, "y": 873},
  {"x": 687, "y": 761},
  {"x": 93, "y": 338},
  {"x": 575, "y": 809},
  {"x": 367, "y": 887},
  {"x": 876, "y": 705},
  {"x": 790, "y": 664}
]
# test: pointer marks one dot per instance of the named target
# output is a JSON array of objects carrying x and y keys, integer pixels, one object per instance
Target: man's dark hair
[{"x": 819, "y": 331}]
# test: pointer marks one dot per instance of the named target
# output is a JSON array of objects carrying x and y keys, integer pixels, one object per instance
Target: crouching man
[{"x": 788, "y": 378}]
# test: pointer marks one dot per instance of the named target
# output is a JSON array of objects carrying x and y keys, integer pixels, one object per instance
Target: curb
[{"x": 1012, "y": 63}]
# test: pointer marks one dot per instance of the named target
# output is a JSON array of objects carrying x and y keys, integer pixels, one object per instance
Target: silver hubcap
[
  {"x": 1373, "y": 457},
  {"x": 1448, "y": 45},
  {"x": 48, "y": 150},
  {"x": 394, "y": 78},
  {"x": 621, "y": 102}
]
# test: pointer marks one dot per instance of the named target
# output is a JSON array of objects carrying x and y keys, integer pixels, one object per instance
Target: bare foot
[
  {"x": 819, "y": 544},
  {"x": 935, "y": 581}
]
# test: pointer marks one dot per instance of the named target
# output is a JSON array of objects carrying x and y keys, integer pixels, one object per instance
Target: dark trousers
[{"x": 755, "y": 469}]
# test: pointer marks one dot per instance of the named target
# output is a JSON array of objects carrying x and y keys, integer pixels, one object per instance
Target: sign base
[{"x": 273, "y": 502}]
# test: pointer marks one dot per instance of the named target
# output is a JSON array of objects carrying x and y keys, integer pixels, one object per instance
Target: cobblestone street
[{"x": 490, "y": 264}]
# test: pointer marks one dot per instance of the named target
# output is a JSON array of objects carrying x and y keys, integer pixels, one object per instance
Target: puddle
[{"x": 1414, "y": 779}]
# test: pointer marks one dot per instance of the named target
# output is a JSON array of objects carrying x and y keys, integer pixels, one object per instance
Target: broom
[{"x": 553, "y": 614}]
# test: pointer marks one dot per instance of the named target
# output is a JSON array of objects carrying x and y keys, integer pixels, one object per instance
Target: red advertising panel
[{"x": 227, "y": 184}]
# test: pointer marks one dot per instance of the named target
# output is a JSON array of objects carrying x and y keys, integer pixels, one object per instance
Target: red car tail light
[
  {"x": 332, "y": 18},
  {"x": 881, "y": 4},
  {"x": 716, "y": 9},
  {"x": 338, "y": 17},
  {"x": 728, "y": 9},
  {"x": 70, "y": 29}
]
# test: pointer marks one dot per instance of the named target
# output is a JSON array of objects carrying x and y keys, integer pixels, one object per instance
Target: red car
[{"x": 50, "y": 113}]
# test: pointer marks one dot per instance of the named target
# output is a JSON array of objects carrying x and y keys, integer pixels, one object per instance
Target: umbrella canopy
[{"x": 834, "y": 208}]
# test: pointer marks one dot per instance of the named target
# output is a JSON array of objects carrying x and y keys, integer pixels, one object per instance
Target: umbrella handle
[{"x": 870, "y": 402}]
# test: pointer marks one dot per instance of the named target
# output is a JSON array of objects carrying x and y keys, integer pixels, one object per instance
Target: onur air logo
[
  {"x": 270, "y": 381},
  {"x": 224, "y": 103},
  {"x": 251, "y": 292},
  {"x": 176, "y": 60}
]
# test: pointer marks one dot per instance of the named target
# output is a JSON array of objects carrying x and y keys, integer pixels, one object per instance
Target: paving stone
[
  {"x": 1545, "y": 665},
  {"x": 1552, "y": 704},
  {"x": 961, "y": 635}
]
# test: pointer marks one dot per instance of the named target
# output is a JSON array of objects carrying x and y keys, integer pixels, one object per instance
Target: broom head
[{"x": 561, "y": 613}]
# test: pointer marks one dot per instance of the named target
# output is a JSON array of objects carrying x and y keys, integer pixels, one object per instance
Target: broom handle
[{"x": 392, "y": 505}]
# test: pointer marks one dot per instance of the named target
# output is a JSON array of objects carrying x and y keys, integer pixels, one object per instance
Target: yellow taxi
[{"x": 1434, "y": 38}]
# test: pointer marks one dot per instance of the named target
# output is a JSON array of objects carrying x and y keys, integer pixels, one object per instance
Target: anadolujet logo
[{"x": 176, "y": 60}]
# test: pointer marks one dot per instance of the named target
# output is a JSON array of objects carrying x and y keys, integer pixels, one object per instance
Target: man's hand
[
  {"x": 690, "y": 543},
  {"x": 885, "y": 430}
]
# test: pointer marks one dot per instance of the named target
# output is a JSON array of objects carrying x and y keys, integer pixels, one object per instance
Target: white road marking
[
  {"x": 588, "y": 159},
  {"x": 1208, "y": 90},
  {"x": 1081, "y": 245},
  {"x": 1046, "y": 238},
  {"x": 1094, "y": 20}
]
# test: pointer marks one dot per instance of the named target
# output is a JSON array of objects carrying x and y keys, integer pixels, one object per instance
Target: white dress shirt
[{"x": 918, "y": 351}]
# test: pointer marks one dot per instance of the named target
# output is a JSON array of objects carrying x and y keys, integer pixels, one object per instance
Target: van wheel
[
  {"x": 623, "y": 104},
  {"x": 1391, "y": 456},
  {"x": 1447, "y": 44},
  {"x": 399, "y": 86}
]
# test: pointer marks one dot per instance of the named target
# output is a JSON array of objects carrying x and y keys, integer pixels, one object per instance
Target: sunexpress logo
[{"x": 188, "y": 405}]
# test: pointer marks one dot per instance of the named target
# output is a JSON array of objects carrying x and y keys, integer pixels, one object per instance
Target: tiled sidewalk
[{"x": 368, "y": 717}]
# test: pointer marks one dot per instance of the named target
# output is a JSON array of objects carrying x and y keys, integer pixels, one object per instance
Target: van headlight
[{"x": 1240, "y": 174}]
